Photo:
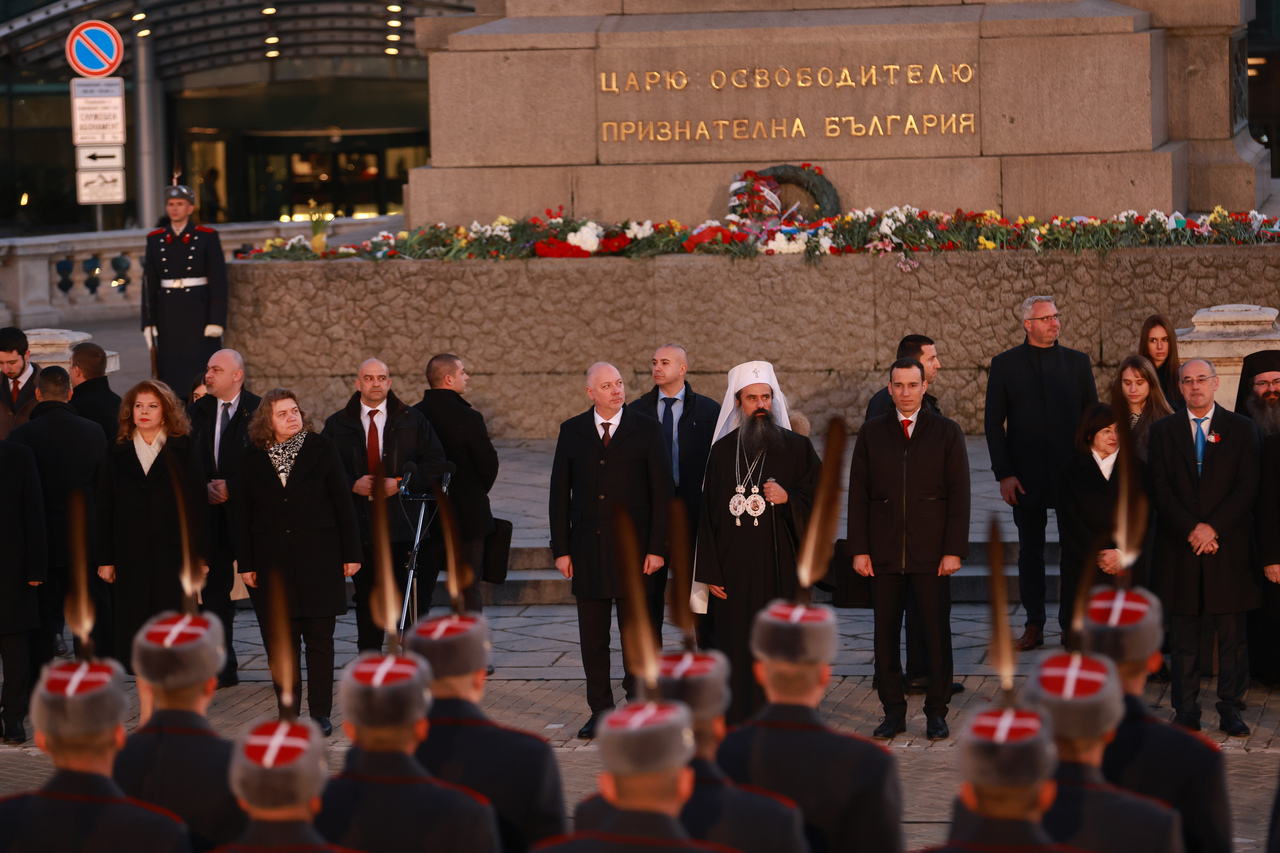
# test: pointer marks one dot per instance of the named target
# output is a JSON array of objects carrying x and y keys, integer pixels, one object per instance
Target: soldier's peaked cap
[
  {"x": 181, "y": 191},
  {"x": 794, "y": 633},
  {"x": 175, "y": 650}
]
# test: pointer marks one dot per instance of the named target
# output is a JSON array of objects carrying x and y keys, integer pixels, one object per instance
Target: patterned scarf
[{"x": 283, "y": 454}]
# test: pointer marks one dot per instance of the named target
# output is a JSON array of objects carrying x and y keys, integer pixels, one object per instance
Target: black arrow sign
[{"x": 102, "y": 156}]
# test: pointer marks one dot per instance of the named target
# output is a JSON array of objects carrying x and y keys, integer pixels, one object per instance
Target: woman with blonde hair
[
  {"x": 295, "y": 520},
  {"x": 139, "y": 532},
  {"x": 1158, "y": 343},
  {"x": 1137, "y": 391}
]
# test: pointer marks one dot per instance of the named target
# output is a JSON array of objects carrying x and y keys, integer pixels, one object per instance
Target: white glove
[
  {"x": 213, "y": 331},
  {"x": 149, "y": 335}
]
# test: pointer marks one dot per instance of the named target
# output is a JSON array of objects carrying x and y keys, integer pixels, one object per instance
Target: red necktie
[
  {"x": 906, "y": 429},
  {"x": 605, "y": 437},
  {"x": 15, "y": 393},
  {"x": 375, "y": 453}
]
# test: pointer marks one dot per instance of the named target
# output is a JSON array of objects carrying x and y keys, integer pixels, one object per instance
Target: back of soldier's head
[
  {"x": 384, "y": 698},
  {"x": 79, "y": 707}
]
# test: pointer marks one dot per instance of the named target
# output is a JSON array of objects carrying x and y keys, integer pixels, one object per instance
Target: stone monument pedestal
[
  {"x": 643, "y": 109},
  {"x": 52, "y": 347},
  {"x": 1225, "y": 334}
]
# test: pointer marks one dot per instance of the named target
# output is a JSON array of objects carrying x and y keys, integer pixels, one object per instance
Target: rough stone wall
[{"x": 527, "y": 330}]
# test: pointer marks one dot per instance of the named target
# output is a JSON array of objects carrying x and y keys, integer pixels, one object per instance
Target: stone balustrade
[{"x": 71, "y": 279}]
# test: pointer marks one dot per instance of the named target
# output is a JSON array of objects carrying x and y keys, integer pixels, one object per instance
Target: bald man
[
  {"x": 607, "y": 457},
  {"x": 375, "y": 425},
  {"x": 220, "y": 425}
]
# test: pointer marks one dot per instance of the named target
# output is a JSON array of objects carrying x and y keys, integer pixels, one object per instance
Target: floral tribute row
[{"x": 901, "y": 231}]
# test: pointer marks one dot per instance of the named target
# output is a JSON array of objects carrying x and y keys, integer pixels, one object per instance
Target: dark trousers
[
  {"x": 434, "y": 568},
  {"x": 216, "y": 596},
  {"x": 42, "y": 642},
  {"x": 316, "y": 632},
  {"x": 933, "y": 595},
  {"x": 369, "y": 634},
  {"x": 14, "y": 690},
  {"x": 1184, "y": 661},
  {"x": 1031, "y": 523},
  {"x": 104, "y": 625},
  {"x": 917, "y": 665},
  {"x": 658, "y": 600},
  {"x": 593, "y": 639}
]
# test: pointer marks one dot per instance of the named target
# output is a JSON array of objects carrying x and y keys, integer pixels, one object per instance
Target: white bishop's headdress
[{"x": 750, "y": 373}]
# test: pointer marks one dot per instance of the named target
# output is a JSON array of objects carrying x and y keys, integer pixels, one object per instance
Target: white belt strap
[{"x": 183, "y": 283}]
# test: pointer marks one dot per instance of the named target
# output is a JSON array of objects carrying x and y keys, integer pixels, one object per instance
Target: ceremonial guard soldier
[
  {"x": 645, "y": 748},
  {"x": 78, "y": 710},
  {"x": 176, "y": 759},
  {"x": 1149, "y": 756},
  {"x": 278, "y": 771},
  {"x": 515, "y": 770},
  {"x": 1081, "y": 695},
  {"x": 1007, "y": 758},
  {"x": 740, "y": 817},
  {"x": 383, "y": 801},
  {"x": 846, "y": 786},
  {"x": 184, "y": 300}
]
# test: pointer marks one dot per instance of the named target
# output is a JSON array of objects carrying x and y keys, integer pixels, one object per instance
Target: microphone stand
[{"x": 409, "y": 610}]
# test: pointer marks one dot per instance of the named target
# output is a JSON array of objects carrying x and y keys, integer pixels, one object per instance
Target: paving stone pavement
[{"x": 538, "y": 686}]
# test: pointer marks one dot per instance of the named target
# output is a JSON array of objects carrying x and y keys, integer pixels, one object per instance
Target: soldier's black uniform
[
  {"x": 737, "y": 817},
  {"x": 1092, "y": 815},
  {"x": 180, "y": 313},
  {"x": 1008, "y": 836},
  {"x": 382, "y": 798},
  {"x": 1152, "y": 758},
  {"x": 86, "y": 813},
  {"x": 515, "y": 770},
  {"x": 631, "y": 832},
  {"x": 289, "y": 836},
  {"x": 846, "y": 785},
  {"x": 177, "y": 761}
]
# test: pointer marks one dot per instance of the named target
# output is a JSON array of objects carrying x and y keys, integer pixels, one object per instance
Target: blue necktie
[
  {"x": 1199, "y": 442},
  {"x": 669, "y": 432}
]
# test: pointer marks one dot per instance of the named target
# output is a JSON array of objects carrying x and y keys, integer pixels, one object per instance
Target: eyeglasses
[
  {"x": 1050, "y": 318},
  {"x": 1267, "y": 383},
  {"x": 1197, "y": 380}
]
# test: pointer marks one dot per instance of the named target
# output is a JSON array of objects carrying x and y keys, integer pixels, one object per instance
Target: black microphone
[
  {"x": 447, "y": 476},
  {"x": 410, "y": 471}
]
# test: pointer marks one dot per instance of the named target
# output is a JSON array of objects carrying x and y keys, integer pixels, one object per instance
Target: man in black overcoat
[
  {"x": 466, "y": 444},
  {"x": 909, "y": 529},
  {"x": 1258, "y": 398},
  {"x": 688, "y": 431},
  {"x": 184, "y": 292},
  {"x": 70, "y": 453},
  {"x": 220, "y": 425},
  {"x": 374, "y": 426},
  {"x": 1205, "y": 467},
  {"x": 606, "y": 458},
  {"x": 1036, "y": 394},
  {"x": 22, "y": 569},
  {"x": 93, "y": 398},
  {"x": 18, "y": 372}
]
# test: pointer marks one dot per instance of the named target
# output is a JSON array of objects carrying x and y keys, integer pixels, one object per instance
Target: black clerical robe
[{"x": 754, "y": 563}]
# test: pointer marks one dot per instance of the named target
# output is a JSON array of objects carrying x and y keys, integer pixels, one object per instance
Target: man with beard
[
  {"x": 1259, "y": 399},
  {"x": 756, "y": 499}
]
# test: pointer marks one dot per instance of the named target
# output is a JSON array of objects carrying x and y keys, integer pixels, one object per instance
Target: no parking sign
[{"x": 94, "y": 49}]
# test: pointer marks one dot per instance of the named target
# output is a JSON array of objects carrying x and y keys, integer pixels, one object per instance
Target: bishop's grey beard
[
  {"x": 1266, "y": 414},
  {"x": 760, "y": 432}
]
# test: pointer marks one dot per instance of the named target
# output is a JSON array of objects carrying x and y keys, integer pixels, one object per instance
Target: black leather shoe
[
  {"x": 326, "y": 727},
  {"x": 890, "y": 727},
  {"x": 936, "y": 728},
  {"x": 1160, "y": 676},
  {"x": 15, "y": 734},
  {"x": 1187, "y": 722},
  {"x": 916, "y": 686},
  {"x": 956, "y": 687},
  {"x": 1032, "y": 638},
  {"x": 588, "y": 731},
  {"x": 60, "y": 647},
  {"x": 228, "y": 680},
  {"x": 1231, "y": 723},
  {"x": 488, "y": 670}
]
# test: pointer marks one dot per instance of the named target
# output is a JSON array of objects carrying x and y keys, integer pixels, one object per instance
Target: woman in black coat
[
  {"x": 139, "y": 532},
  {"x": 294, "y": 518},
  {"x": 1086, "y": 504}
]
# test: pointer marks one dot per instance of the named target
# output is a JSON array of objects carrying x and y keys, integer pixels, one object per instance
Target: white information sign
[
  {"x": 100, "y": 157},
  {"x": 97, "y": 111},
  {"x": 100, "y": 187}
]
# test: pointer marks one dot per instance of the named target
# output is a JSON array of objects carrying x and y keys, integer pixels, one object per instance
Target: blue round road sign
[{"x": 94, "y": 49}]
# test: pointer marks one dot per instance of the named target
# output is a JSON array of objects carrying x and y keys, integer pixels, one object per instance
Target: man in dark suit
[
  {"x": 1205, "y": 468},
  {"x": 374, "y": 426},
  {"x": 70, "y": 454},
  {"x": 1036, "y": 393},
  {"x": 18, "y": 397},
  {"x": 688, "y": 430},
  {"x": 94, "y": 398},
  {"x": 909, "y": 528},
  {"x": 21, "y": 570},
  {"x": 606, "y": 457},
  {"x": 466, "y": 443},
  {"x": 220, "y": 424}
]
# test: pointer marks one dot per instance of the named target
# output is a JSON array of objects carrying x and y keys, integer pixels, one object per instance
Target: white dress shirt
[
  {"x": 677, "y": 409},
  {"x": 217, "y": 423},
  {"x": 1205, "y": 426},
  {"x": 380, "y": 421},
  {"x": 24, "y": 378},
  {"x": 612, "y": 422},
  {"x": 909, "y": 420}
]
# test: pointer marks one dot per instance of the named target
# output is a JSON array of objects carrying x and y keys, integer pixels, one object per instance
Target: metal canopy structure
[{"x": 195, "y": 35}]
